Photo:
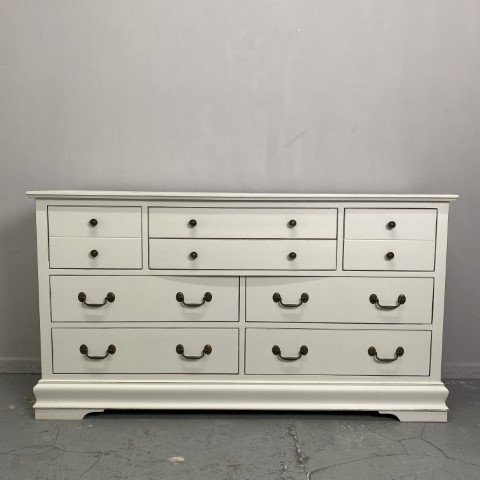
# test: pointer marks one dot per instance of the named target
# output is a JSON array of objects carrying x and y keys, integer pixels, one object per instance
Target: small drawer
[
  {"x": 95, "y": 222},
  {"x": 200, "y": 254},
  {"x": 339, "y": 300},
  {"x": 391, "y": 255},
  {"x": 242, "y": 223},
  {"x": 74, "y": 252},
  {"x": 336, "y": 352},
  {"x": 145, "y": 350},
  {"x": 390, "y": 224},
  {"x": 144, "y": 299}
]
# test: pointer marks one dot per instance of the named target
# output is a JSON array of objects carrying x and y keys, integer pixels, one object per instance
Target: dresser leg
[
  {"x": 63, "y": 413},
  {"x": 417, "y": 415}
]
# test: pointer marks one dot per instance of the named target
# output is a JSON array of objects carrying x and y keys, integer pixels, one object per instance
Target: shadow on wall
[{"x": 19, "y": 318}]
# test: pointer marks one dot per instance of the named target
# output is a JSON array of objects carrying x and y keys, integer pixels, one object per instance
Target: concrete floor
[{"x": 238, "y": 445}]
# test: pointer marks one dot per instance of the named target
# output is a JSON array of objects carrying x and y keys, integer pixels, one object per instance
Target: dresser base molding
[{"x": 73, "y": 400}]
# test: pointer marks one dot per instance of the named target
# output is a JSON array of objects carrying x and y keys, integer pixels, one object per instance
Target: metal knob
[
  {"x": 193, "y": 255},
  {"x": 391, "y": 225},
  {"x": 192, "y": 223},
  {"x": 389, "y": 255},
  {"x": 94, "y": 253},
  {"x": 292, "y": 223},
  {"x": 93, "y": 222},
  {"x": 292, "y": 255}
]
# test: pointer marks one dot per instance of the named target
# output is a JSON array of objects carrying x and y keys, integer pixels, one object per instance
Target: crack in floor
[{"x": 292, "y": 430}]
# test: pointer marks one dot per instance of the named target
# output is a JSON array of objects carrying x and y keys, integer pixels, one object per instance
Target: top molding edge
[{"x": 225, "y": 196}]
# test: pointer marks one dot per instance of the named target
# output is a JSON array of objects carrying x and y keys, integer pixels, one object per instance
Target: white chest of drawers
[{"x": 241, "y": 301}]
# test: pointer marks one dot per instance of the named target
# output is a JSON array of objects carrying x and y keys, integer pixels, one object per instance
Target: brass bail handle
[
  {"x": 82, "y": 298},
  {"x": 207, "y": 350},
  {"x": 276, "y": 351}
]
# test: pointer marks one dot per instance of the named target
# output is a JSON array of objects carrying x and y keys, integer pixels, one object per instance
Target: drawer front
[
  {"x": 409, "y": 255},
  {"x": 243, "y": 254},
  {"x": 95, "y": 222},
  {"x": 337, "y": 352},
  {"x": 144, "y": 299},
  {"x": 145, "y": 350},
  {"x": 376, "y": 224},
  {"x": 340, "y": 300},
  {"x": 242, "y": 223},
  {"x": 73, "y": 252}
]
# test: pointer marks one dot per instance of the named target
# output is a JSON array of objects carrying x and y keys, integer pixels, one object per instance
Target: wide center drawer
[
  {"x": 199, "y": 254},
  {"x": 145, "y": 350},
  {"x": 242, "y": 222},
  {"x": 337, "y": 352},
  {"x": 339, "y": 300},
  {"x": 144, "y": 299}
]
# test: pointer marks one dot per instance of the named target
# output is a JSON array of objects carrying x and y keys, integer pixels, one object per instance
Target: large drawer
[
  {"x": 77, "y": 252},
  {"x": 66, "y": 221},
  {"x": 145, "y": 350},
  {"x": 144, "y": 299},
  {"x": 390, "y": 224},
  {"x": 243, "y": 254},
  {"x": 242, "y": 223},
  {"x": 408, "y": 255},
  {"x": 337, "y": 352},
  {"x": 339, "y": 300}
]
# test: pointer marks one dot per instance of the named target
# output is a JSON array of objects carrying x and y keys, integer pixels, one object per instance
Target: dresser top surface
[{"x": 227, "y": 196}]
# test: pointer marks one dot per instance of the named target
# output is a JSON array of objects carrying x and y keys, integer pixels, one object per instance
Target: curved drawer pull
[
  {"x": 181, "y": 298},
  {"x": 277, "y": 298},
  {"x": 82, "y": 297},
  {"x": 372, "y": 351},
  {"x": 207, "y": 350},
  {"x": 110, "y": 351},
  {"x": 400, "y": 301},
  {"x": 276, "y": 351}
]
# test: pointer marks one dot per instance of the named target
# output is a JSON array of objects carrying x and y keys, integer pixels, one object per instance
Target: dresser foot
[
  {"x": 418, "y": 415},
  {"x": 63, "y": 413}
]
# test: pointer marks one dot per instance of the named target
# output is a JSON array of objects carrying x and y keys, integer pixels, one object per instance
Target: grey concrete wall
[{"x": 245, "y": 95}]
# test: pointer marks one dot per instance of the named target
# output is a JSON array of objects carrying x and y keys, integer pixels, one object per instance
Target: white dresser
[{"x": 241, "y": 301}]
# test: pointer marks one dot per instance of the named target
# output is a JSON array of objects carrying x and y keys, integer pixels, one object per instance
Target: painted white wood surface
[
  {"x": 337, "y": 352},
  {"x": 410, "y": 255},
  {"x": 339, "y": 300},
  {"x": 144, "y": 299},
  {"x": 145, "y": 350},
  {"x": 412, "y": 397},
  {"x": 74, "y": 252},
  {"x": 70, "y": 221},
  {"x": 229, "y": 196},
  {"x": 371, "y": 224},
  {"x": 422, "y": 401},
  {"x": 242, "y": 223},
  {"x": 243, "y": 254}
]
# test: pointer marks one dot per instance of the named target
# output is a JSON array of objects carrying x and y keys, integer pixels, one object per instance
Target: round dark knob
[
  {"x": 292, "y": 255},
  {"x": 292, "y": 223},
  {"x": 389, "y": 255},
  {"x": 192, "y": 223},
  {"x": 93, "y": 222},
  {"x": 303, "y": 350},
  {"x": 193, "y": 255},
  {"x": 391, "y": 225},
  {"x": 94, "y": 253}
]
